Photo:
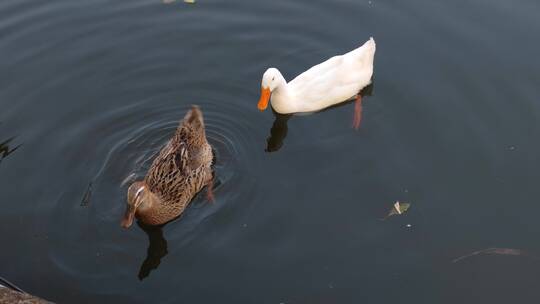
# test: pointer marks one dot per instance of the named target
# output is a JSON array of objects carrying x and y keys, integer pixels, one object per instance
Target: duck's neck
[
  {"x": 282, "y": 98},
  {"x": 150, "y": 201}
]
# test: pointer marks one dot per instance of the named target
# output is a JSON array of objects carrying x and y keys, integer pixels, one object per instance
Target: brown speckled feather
[{"x": 181, "y": 170}]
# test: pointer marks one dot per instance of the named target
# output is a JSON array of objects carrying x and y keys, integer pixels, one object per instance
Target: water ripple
[{"x": 126, "y": 140}]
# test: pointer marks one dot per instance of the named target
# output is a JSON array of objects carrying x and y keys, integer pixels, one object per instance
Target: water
[{"x": 90, "y": 90}]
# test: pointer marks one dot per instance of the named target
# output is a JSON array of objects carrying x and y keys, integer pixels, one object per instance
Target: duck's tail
[
  {"x": 366, "y": 52},
  {"x": 191, "y": 128},
  {"x": 370, "y": 45},
  {"x": 371, "y": 41},
  {"x": 194, "y": 119}
]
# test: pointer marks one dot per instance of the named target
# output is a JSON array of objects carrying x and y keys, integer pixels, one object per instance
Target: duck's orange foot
[
  {"x": 357, "y": 112},
  {"x": 210, "y": 191}
]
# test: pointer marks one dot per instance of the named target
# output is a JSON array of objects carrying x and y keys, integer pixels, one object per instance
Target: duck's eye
[{"x": 273, "y": 78}]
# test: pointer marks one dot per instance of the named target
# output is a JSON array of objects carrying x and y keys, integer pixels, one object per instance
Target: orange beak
[{"x": 265, "y": 97}]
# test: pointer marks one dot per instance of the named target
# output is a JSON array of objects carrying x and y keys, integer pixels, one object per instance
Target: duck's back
[
  {"x": 335, "y": 80},
  {"x": 183, "y": 166}
]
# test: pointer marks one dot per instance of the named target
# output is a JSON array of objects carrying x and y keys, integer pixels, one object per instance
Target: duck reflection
[
  {"x": 279, "y": 129},
  {"x": 278, "y": 132},
  {"x": 157, "y": 249},
  {"x": 5, "y": 149}
]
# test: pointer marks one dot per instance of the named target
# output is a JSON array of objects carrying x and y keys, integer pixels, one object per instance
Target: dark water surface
[{"x": 90, "y": 90}]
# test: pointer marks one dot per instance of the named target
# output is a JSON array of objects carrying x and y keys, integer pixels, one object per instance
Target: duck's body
[
  {"x": 336, "y": 80},
  {"x": 181, "y": 170}
]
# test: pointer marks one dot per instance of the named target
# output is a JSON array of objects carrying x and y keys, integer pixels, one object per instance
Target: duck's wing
[
  {"x": 334, "y": 70},
  {"x": 316, "y": 74},
  {"x": 180, "y": 164},
  {"x": 335, "y": 80},
  {"x": 170, "y": 167},
  {"x": 325, "y": 84},
  {"x": 317, "y": 80},
  {"x": 364, "y": 54},
  {"x": 172, "y": 176}
]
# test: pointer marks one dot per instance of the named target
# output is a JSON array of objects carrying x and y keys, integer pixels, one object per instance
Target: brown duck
[{"x": 181, "y": 170}]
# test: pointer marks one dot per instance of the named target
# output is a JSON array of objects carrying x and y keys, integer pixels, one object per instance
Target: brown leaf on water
[
  {"x": 496, "y": 251},
  {"x": 398, "y": 209},
  {"x": 172, "y": 1}
]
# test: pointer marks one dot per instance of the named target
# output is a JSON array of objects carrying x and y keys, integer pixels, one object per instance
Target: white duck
[{"x": 336, "y": 80}]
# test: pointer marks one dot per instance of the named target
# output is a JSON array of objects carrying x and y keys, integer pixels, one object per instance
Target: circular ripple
[
  {"x": 129, "y": 139},
  {"x": 132, "y": 73}
]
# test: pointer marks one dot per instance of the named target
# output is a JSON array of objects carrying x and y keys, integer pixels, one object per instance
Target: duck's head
[
  {"x": 270, "y": 81},
  {"x": 135, "y": 197}
]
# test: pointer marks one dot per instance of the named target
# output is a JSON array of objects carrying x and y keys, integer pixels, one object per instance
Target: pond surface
[{"x": 90, "y": 91}]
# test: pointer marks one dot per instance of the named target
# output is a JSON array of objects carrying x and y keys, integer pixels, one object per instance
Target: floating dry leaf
[
  {"x": 398, "y": 209},
  {"x": 496, "y": 251},
  {"x": 189, "y": 1}
]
